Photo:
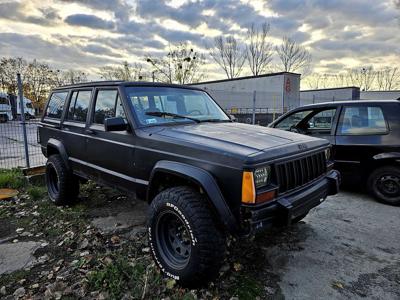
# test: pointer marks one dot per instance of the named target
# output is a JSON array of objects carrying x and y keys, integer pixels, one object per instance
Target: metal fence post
[
  {"x": 21, "y": 103},
  {"x": 254, "y": 107}
]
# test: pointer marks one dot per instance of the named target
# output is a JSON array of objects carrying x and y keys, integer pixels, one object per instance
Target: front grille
[{"x": 298, "y": 172}]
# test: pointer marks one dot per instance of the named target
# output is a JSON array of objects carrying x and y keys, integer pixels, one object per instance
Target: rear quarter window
[{"x": 56, "y": 105}]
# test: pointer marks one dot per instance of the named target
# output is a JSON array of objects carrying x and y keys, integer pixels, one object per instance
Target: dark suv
[
  {"x": 203, "y": 175},
  {"x": 365, "y": 136}
]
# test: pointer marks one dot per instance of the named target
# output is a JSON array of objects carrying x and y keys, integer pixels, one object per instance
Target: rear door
[
  {"x": 110, "y": 154},
  {"x": 361, "y": 133},
  {"x": 74, "y": 126}
]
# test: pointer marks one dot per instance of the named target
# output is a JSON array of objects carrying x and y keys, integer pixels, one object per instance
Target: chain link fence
[{"x": 12, "y": 146}]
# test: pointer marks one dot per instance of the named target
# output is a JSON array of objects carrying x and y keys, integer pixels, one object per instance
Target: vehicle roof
[
  {"x": 332, "y": 103},
  {"x": 123, "y": 83}
]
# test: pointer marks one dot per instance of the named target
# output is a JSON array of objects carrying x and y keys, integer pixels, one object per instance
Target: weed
[
  {"x": 11, "y": 179},
  {"x": 246, "y": 287},
  {"x": 36, "y": 192},
  {"x": 121, "y": 275}
]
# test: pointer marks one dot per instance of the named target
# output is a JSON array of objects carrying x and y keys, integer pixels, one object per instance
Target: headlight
[
  {"x": 262, "y": 176},
  {"x": 328, "y": 154}
]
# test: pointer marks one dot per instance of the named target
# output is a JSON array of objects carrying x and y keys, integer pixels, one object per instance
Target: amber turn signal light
[
  {"x": 248, "y": 188},
  {"x": 265, "y": 197}
]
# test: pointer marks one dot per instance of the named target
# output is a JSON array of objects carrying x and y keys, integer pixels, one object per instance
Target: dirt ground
[{"x": 348, "y": 247}]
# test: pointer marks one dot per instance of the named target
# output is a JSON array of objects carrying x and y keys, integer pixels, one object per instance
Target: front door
[
  {"x": 111, "y": 153},
  {"x": 317, "y": 122}
]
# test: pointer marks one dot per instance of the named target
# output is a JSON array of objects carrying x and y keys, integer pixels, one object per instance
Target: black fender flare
[
  {"x": 387, "y": 155},
  {"x": 207, "y": 183},
  {"x": 60, "y": 148}
]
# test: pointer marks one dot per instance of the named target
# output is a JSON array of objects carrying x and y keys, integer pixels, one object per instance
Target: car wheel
[
  {"x": 184, "y": 238},
  {"x": 62, "y": 185},
  {"x": 384, "y": 184}
]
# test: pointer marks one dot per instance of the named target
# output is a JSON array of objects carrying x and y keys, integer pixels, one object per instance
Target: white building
[
  {"x": 273, "y": 92},
  {"x": 328, "y": 95},
  {"x": 380, "y": 95}
]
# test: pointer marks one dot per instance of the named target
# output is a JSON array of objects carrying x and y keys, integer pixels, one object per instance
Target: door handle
[{"x": 90, "y": 131}]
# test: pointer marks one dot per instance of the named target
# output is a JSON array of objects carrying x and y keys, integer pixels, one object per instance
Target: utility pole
[{"x": 21, "y": 104}]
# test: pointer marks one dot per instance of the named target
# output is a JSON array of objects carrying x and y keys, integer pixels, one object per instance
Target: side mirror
[{"x": 115, "y": 124}]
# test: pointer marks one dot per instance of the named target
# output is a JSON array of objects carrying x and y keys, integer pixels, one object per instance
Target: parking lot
[
  {"x": 12, "y": 153},
  {"x": 347, "y": 248}
]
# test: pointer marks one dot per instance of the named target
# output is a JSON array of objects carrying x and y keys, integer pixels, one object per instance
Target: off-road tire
[
  {"x": 62, "y": 185},
  {"x": 376, "y": 190},
  {"x": 207, "y": 241}
]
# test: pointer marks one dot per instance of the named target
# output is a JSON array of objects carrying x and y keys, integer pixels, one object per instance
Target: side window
[
  {"x": 292, "y": 120},
  {"x": 108, "y": 105},
  {"x": 360, "y": 120},
  {"x": 79, "y": 105},
  {"x": 56, "y": 105},
  {"x": 322, "y": 120}
]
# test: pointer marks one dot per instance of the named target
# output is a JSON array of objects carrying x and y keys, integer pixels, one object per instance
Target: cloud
[
  {"x": 63, "y": 56},
  {"x": 16, "y": 11},
  {"x": 90, "y": 21},
  {"x": 99, "y": 50}
]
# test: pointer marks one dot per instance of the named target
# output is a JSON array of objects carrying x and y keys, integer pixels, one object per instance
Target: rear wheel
[
  {"x": 384, "y": 184},
  {"x": 184, "y": 238},
  {"x": 62, "y": 185}
]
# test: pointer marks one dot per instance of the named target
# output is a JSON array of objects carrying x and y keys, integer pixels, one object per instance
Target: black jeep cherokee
[{"x": 203, "y": 175}]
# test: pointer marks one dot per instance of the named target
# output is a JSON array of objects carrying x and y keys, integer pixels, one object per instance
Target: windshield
[{"x": 161, "y": 105}]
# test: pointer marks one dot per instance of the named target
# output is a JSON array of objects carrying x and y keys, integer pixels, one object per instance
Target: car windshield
[{"x": 161, "y": 105}]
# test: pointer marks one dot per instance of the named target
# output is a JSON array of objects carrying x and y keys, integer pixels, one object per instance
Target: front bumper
[{"x": 287, "y": 207}]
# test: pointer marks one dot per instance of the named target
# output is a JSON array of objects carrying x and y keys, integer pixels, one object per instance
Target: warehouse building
[
  {"x": 328, "y": 95},
  {"x": 275, "y": 92}
]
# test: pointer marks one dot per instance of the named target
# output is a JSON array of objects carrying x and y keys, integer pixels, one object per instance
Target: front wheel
[
  {"x": 184, "y": 238},
  {"x": 384, "y": 184}
]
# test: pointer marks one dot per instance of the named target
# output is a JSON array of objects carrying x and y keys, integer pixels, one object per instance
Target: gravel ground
[{"x": 348, "y": 247}]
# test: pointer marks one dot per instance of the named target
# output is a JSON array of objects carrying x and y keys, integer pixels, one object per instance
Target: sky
[{"x": 88, "y": 34}]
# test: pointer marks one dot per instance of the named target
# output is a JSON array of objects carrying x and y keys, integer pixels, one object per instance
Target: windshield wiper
[
  {"x": 215, "y": 120},
  {"x": 169, "y": 114}
]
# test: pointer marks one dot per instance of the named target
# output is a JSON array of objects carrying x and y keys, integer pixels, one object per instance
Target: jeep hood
[{"x": 242, "y": 139}]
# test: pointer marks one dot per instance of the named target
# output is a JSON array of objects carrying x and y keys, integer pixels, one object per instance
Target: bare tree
[
  {"x": 293, "y": 56},
  {"x": 317, "y": 81},
  {"x": 124, "y": 72},
  {"x": 180, "y": 65},
  {"x": 228, "y": 54},
  {"x": 388, "y": 79},
  {"x": 363, "y": 77},
  {"x": 259, "y": 50}
]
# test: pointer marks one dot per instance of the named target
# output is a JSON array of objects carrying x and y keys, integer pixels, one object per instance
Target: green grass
[
  {"x": 36, "y": 192},
  {"x": 121, "y": 276},
  {"x": 247, "y": 288},
  {"x": 12, "y": 179}
]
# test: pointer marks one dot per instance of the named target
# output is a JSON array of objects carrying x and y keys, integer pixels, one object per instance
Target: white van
[
  {"x": 11, "y": 110},
  {"x": 5, "y": 108}
]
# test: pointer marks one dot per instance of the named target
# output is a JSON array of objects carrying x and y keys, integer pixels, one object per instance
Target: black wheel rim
[
  {"x": 389, "y": 185},
  {"x": 173, "y": 240},
  {"x": 53, "y": 180}
]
